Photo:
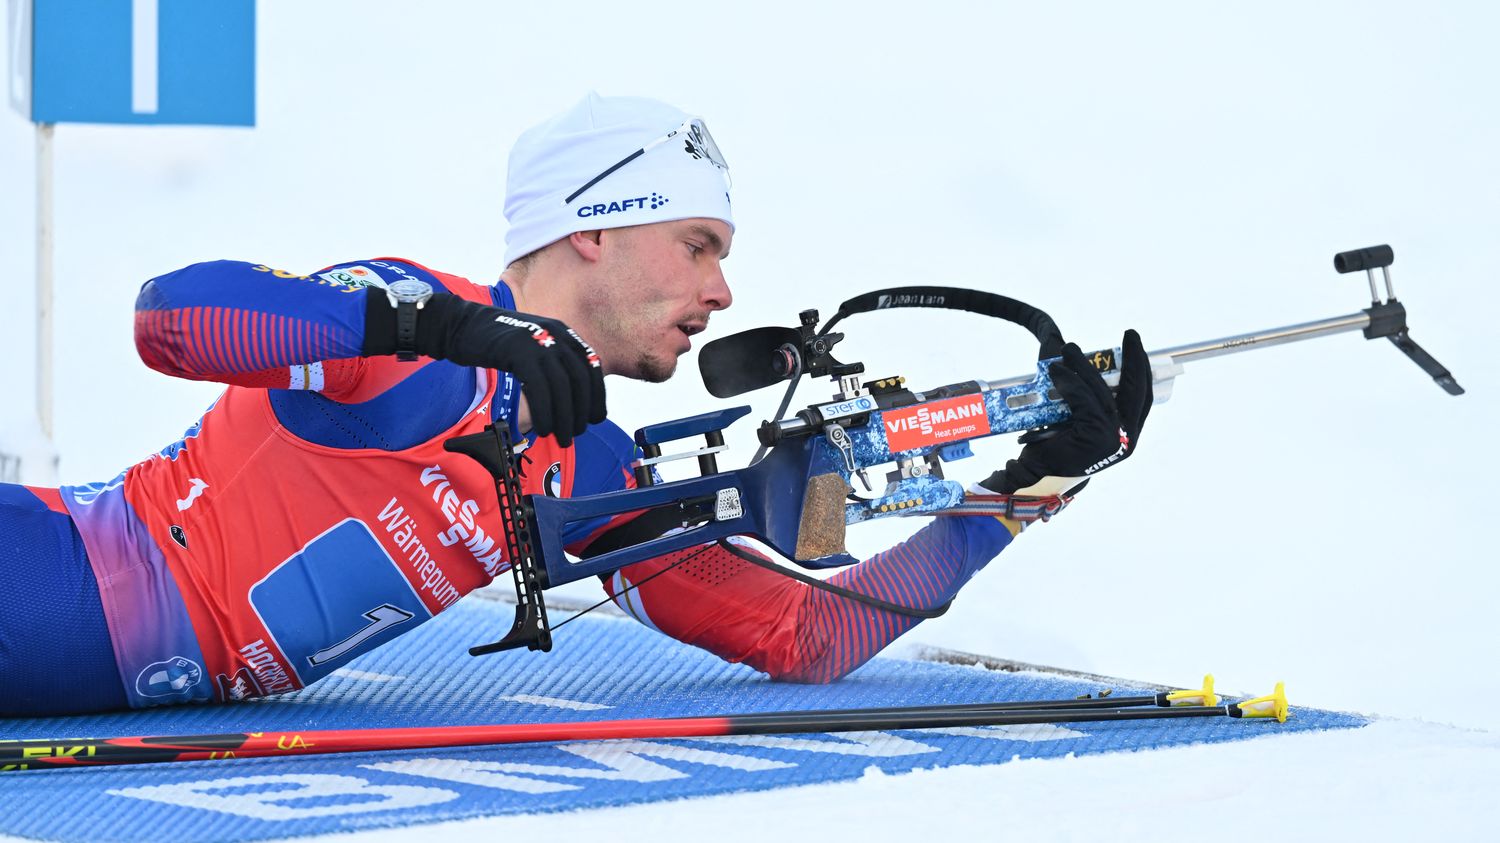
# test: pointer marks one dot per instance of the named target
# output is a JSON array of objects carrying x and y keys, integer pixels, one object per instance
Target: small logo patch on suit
[
  {"x": 353, "y": 276},
  {"x": 552, "y": 481},
  {"x": 241, "y": 686},
  {"x": 179, "y": 536},
  {"x": 193, "y": 494}
]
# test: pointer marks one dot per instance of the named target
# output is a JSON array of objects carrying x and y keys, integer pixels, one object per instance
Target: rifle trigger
[{"x": 839, "y": 438}]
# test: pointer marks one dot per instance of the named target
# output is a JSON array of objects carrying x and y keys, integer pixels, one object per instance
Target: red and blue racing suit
[{"x": 312, "y": 513}]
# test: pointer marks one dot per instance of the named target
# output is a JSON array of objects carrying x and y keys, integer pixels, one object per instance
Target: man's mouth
[{"x": 691, "y": 328}]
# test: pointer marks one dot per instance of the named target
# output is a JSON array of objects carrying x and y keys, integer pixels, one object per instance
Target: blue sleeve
[{"x": 226, "y": 320}]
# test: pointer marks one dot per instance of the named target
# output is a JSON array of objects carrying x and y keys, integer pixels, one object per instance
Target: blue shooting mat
[{"x": 602, "y": 668}]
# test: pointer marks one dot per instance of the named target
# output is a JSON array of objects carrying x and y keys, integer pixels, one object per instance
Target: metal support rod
[
  {"x": 44, "y": 276},
  {"x": 1274, "y": 336},
  {"x": 1374, "y": 294},
  {"x": 707, "y": 462},
  {"x": 643, "y": 476},
  {"x": 1239, "y": 342},
  {"x": 1390, "y": 292}
]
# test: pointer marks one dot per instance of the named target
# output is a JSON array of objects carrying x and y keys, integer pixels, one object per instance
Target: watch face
[{"x": 409, "y": 290}]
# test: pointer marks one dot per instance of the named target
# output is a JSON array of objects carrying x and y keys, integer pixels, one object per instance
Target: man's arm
[
  {"x": 251, "y": 325},
  {"x": 743, "y": 612}
]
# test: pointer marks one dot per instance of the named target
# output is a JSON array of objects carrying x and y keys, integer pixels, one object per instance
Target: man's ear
[{"x": 585, "y": 244}]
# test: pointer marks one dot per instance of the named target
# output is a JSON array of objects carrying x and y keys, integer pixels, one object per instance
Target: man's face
[{"x": 653, "y": 287}]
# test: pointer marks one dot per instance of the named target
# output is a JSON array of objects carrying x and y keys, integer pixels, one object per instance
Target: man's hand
[
  {"x": 1104, "y": 430},
  {"x": 559, "y": 373}
]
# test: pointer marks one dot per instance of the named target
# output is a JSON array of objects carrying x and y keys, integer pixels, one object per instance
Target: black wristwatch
[{"x": 407, "y": 296}]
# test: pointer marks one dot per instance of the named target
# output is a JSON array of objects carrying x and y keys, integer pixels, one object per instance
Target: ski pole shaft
[
  {"x": 1018, "y": 705},
  {"x": 39, "y": 754},
  {"x": 1202, "y": 696}
]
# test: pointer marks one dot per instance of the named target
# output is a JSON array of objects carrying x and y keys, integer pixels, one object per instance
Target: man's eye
[{"x": 694, "y": 248}]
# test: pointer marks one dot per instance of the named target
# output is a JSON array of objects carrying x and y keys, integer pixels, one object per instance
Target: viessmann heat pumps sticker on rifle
[{"x": 936, "y": 422}]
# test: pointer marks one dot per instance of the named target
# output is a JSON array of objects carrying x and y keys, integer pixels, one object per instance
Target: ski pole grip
[{"x": 1370, "y": 257}]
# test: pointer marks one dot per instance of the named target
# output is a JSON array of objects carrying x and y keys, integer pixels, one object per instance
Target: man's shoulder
[
  {"x": 602, "y": 456},
  {"x": 380, "y": 272},
  {"x": 608, "y": 438}
]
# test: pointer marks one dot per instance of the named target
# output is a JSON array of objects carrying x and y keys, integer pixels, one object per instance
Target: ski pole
[
  {"x": 1199, "y": 697},
  {"x": 40, "y": 754}
]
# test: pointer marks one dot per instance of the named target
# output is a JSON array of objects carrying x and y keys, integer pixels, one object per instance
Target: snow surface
[
  {"x": 1392, "y": 780},
  {"x": 1319, "y": 514}
]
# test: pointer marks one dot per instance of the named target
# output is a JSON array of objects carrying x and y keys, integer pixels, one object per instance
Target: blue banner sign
[{"x": 134, "y": 61}]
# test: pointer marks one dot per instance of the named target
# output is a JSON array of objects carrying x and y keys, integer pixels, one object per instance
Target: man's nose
[{"x": 716, "y": 294}]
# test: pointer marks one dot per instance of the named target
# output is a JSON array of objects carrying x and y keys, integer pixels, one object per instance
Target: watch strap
[{"x": 406, "y": 330}]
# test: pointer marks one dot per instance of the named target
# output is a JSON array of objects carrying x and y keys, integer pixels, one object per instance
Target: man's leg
[{"x": 55, "y": 652}]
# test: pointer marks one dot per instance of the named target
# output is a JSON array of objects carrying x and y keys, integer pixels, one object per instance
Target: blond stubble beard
[{"x": 609, "y": 313}]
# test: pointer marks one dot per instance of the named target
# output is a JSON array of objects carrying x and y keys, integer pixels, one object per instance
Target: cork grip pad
[{"x": 821, "y": 531}]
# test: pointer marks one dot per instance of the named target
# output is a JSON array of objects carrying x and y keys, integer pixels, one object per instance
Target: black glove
[
  {"x": 559, "y": 372},
  {"x": 1104, "y": 429}
]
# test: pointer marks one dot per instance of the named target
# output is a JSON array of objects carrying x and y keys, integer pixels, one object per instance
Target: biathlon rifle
[{"x": 796, "y": 495}]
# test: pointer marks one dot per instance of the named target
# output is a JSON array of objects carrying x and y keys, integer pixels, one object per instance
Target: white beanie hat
[{"x": 553, "y": 160}]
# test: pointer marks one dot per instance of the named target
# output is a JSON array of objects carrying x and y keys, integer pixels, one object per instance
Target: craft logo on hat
[{"x": 656, "y": 200}]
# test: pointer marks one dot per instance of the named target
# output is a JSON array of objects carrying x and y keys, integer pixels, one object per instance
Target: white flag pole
[{"x": 44, "y": 277}]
